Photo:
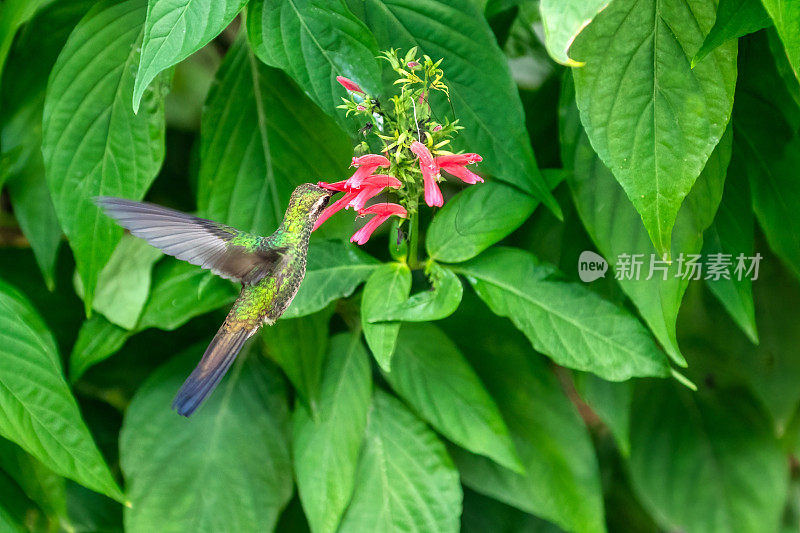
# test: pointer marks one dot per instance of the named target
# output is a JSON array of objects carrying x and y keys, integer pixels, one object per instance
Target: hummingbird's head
[{"x": 309, "y": 199}]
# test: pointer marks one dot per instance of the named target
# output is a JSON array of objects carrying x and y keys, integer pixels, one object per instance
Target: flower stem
[{"x": 413, "y": 254}]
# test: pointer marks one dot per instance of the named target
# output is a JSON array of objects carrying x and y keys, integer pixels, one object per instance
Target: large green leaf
[
  {"x": 702, "y": 463},
  {"x": 298, "y": 346},
  {"x": 334, "y": 271},
  {"x": 563, "y": 20},
  {"x": 124, "y": 283},
  {"x": 430, "y": 373},
  {"x": 735, "y": 18},
  {"x": 566, "y": 321},
  {"x": 611, "y": 402},
  {"x": 786, "y": 16},
  {"x": 653, "y": 120},
  {"x": 766, "y": 121},
  {"x": 181, "y": 291},
  {"x": 405, "y": 480},
  {"x": 561, "y": 481},
  {"x": 477, "y": 73},
  {"x": 314, "y": 41},
  {"x": 227, "y": 468},
  {"x": 260, "y": 138},
  {"x": 93, "y": 143},
  {"x": 479, "y": 217},
  {"x": 732, "y": 233},
  {"x": 326, "y": 446},
  {"x": 617, "y": 229},
  {"x": 29, "y": 65},
  {"x": 98, "y": 339},
  {"x": 174, "y": 30},
  {"x": 37, "y": 409},
  {"x": 435, "y": 304},
  {"x": 389, "y": 284}
]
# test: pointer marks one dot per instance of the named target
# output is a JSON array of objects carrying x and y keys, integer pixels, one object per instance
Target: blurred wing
[{"x": 195, "y": 240}]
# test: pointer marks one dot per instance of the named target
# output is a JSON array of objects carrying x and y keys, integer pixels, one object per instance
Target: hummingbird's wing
[{"x": 202, "y": 242}]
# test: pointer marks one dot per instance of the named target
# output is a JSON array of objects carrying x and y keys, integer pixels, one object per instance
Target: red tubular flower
[
  {"x": 349, "y": 84},
  {"x": 366, "y": 165},
  {"x": 339, "y": 186},
  {"x": 382, "y": 212},
  {"x": 456, "y": 165},
  {"x": 336, "y": 206},
  {"x": 430, "y": 174},
  {"x": 371, "y": 187}
]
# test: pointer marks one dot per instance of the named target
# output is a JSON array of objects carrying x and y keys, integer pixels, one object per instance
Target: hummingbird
[{"x": 270, "y": 270}]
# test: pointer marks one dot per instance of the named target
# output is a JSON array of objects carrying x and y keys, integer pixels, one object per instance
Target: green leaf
[
  {"x": 13, "y": 14},
  {"x": 326, "y": 446},
  {"x": 98, "y": 339},
  {"x": 124, "y": 284},
  {"x": 334, "y": 271},
  {"x": 405, "y": 480},
  {"x": 181, "y": 291},
  {"x": 766, "y": 121},
  {"x": 476, "y": 71},
  {"x": 181, "y": 474},
  {"x": 437, "y": 303},
  {"x": 482, "y": 514},
  {"x": 90, "y": 512},
  {"x": 389, "y": 284},
  {"x": 784, "y": 68},
  {"x": 314, "y": 41},
  {"x": 29, "y": 66},
  {"x": 298, "y": 346},
  {"x": 260, "y": 138},
  {"x": 566, "y": 321},
  {"x": 702, "y": 463},
  {"x": 561, "y": 482},
  {"x": 14, "y": 506},
  {"x": 732, "y": 233},
  {"x": 735, "y": 18},
  {"x": 93, "y": 143},
  {"x": 652, "y": 119},
  {"x": 174, "y": 30},
  {"x": 33, "y": 207},
  {"x": 611, "y": 402},
  {"x": 38, "y": 482},
  {"x": 617, "y": 229},
  {"x": 563, "y": 20},
  {"x": 37, "y": 409},
  {"x": 430, "y": 373},
  {"x": 786, "y": 16},
  {"x": 478, "y": 217}
]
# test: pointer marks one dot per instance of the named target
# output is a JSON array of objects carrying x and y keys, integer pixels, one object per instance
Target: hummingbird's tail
[{"x": 212, "y": 367}]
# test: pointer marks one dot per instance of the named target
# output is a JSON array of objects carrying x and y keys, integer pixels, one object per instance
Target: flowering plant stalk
[{"x": 413, "y": 149}]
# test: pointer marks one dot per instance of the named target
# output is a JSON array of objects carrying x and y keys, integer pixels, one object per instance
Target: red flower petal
[
  {"x": 339, "y": 186},
  {"x": 433, "y": 195},
  {"x": 458, "y": 159},
  {"x": 338, "y": 205},
  {"x": 349, "y": 84},
  {"x": 374, "y": 160},
  {"x": 382, "y": 212},
  {"x": 462, "y": 173}
]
